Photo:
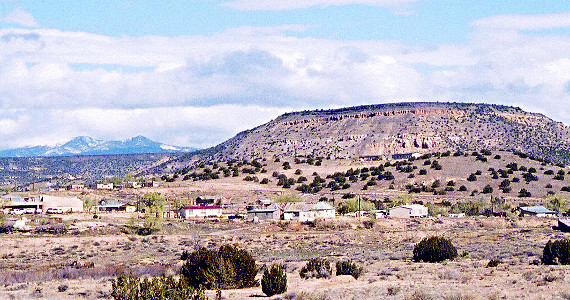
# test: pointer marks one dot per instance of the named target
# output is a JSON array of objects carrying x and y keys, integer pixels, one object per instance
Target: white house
[
  {"x": 324, "y": 210},
  {"x": 409, "y": 211},
  {"x": 305, "y": 212},
  {"x": 105, "y": 186},
  {"x": 67, "y": 204},
  {"x": 189, "y": 212}
]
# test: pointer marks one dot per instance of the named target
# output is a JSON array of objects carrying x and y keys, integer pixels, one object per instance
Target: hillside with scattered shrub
[{"x": 387, "y": 129}]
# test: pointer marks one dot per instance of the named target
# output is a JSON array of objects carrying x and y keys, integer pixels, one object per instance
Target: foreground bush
[
  {"x": 556, "y": 252},
  {"x": 434, "y": 249},
  {"x": 227, "y": 268},
  {"x": 274, "y": 281},
  {"x": 317, "y": 268},
  {"x": 347, "y": 267},
  {"x": 168, "y": 288}
]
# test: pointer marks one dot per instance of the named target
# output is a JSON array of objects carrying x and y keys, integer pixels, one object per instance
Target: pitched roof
[
  {"x": 322, "y": 206},
  {"x": 202, "y": 207},
  {"x": 303, "y": 206},
  {"x": 537, "y": 209},
  {"x": 412, "y": 206}
]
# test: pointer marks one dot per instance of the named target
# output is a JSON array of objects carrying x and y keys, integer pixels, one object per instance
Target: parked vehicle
[
  {"x": 29, "y": 210},
  {"x": 54, "y": 211},
  {"x": 17, "y": 212}
]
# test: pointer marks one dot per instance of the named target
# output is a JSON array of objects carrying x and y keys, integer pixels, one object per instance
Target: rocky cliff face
[{"x": 383, "y": 130}]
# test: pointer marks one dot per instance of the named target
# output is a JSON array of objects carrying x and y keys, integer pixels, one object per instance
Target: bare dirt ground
[{"x": 81, "y": 263}]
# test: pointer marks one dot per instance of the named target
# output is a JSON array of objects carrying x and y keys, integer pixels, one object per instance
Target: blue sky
[{"x": 194, "y": 73}]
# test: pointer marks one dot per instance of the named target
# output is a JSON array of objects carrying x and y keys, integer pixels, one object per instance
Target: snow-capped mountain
[{"x": 84, "y": 145}]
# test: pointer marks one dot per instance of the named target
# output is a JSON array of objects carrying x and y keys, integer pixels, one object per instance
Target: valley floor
[{"x": 82, "y": 264}]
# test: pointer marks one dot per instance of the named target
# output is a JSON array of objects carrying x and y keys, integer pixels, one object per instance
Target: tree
[
  {"x": 88, "y": 203},
  {"x": 274, "y": 281},
  {"x": 556, "y": 203},
  {"x": 227, "y": 268},
  {"x": 434, "y": 249},
  {"x": 153, "y": 206},
  {"x": 351, "y": 205}
]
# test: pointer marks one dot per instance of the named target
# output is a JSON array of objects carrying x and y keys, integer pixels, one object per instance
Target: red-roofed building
[{"x": 190, "y": 212}]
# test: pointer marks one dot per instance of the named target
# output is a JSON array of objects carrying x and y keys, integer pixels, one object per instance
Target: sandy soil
[{"x": 81, "y": 264}]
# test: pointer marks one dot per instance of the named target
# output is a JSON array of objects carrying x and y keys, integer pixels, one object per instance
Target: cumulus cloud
[
  {"x": 200, "y": 90},
  {"x": 21, "y": 17},
  {"x": 299, "y": 4}
]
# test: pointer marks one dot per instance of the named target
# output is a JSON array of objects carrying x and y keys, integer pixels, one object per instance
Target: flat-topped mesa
[
  {"x": 367, "y": 115},
  {"x": 386, "y": 129}
]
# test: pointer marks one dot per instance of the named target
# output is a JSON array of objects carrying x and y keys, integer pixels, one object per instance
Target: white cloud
[
  {"x": 21, "y": 17},
  {"x": 299, "y": 4},
  {"x": 525, "y": 22},
  {"x": 201, "y": 90}
]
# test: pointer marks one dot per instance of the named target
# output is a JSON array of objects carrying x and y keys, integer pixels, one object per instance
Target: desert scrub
[
  {"x": 274, "y": 280},
  {"x": 133, "y": 288},
  {"x": 556, "y": 252},
  {"x": 227, "y": 268},
  {"x": 347, "y": 267},
  {"x": 316, "y": 267},
  {"x": 434, "y": 249}
]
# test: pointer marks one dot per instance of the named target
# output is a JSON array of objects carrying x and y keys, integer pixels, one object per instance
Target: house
[
  {"x": 323, "y": 210},
  {"x": 45, "y": 202},
  {"x": 305, "y": 212},
  {"x": 270, "y": 212},
  {"x": 200, "y": 211},
  {"x": 379, "y": 213},
  {"x": 132, "y": 185},
  {"x": 537, "y": 211},
  {"x": 264, "y": 202},
  {"x": 408, "y": 211},
  {"x": 406, "y": 156},
  {"x": 111, "y": 205},
  {"x": 151, "y": 184},
  {"x": 105, "y": 186},
  {"x": 76, "y": 187},
  {"x": 67, "y": 204}
]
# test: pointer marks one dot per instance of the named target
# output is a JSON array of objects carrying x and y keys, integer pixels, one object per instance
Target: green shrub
[
  {"x": 227, "y": 268},
  {"x": 169, "y": 288},
  {"x": 434, "y": 249},
  {"x": 347, "y": 267},
  {"x": 316, "y": 267},
  {"x": 556, "y": 252},
  {"x": 274, "y": 281}
]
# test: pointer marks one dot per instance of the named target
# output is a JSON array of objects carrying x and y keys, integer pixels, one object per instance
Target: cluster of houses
[
  {"x": 213, "y": 207},
  {"x": 79, "y": 186}
]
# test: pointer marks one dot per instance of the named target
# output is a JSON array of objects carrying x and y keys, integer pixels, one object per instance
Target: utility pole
[{"x": 359, "y": 209}]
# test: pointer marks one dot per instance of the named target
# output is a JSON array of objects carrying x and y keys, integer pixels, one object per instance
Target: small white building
[
  {"x": 305, "y": 212},
  {"x": 105, "y": 186},
  {"x": 409, "y": 211},
  {"x": 190, "y": 212}
]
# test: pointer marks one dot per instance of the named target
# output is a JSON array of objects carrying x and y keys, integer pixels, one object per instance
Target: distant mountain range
[{"x": 84, "y": 145}]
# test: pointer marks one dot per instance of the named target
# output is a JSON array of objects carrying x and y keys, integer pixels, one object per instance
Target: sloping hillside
[{"x": 388, "y": 129}]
